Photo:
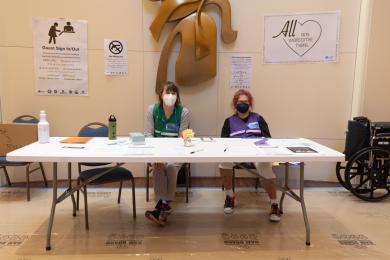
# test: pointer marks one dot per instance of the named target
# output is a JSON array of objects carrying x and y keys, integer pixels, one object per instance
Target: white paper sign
[
  {"x": 241, "y": 71},
  {"x": 115, "y": 57},
  {"x": 296, "y": 38},
  {"x": 60, "y": 56}
]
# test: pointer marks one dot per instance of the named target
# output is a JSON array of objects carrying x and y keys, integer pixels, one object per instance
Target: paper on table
[
  {"x": 207, "y": 139},
  {"x": 141, "y": 146},
  {"x": 140, "y": 150},
  {"x": 275, "y": 151},
  {"x": 266, "y": 145}
]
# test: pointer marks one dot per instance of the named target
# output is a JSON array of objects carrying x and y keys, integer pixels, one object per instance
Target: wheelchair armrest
[
  {"x": 383, "y": 135},
  {"x": 381, "y": 125}
]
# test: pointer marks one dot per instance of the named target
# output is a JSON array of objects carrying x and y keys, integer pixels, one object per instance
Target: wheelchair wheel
[
  {"x": 340, "y": 169},
  {"x": 367, "y": 174},
  {"x": 340, "y": 172}
]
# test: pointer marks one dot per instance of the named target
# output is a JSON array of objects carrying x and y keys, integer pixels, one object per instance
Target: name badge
[
  {"x": 172, "y": 127},
  {"x": 253, "y": 125}
]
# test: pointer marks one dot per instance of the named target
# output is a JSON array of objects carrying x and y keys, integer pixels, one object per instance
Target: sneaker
[
  {"x": 160, "y": 214},
  {"x": 161, "y": 206},
  {"x": 275, "y": 213},
  {"x": 155, "y": 216},
  {"x": 229, "y": 205}
]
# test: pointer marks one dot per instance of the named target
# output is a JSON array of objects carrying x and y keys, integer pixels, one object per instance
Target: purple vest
[{"x": 239, "y": 128}]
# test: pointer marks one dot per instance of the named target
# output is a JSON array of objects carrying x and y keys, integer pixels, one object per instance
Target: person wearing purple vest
[{"x": 247, "y": 124}]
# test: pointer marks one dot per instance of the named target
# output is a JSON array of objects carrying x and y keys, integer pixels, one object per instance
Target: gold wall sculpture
[{"x": 197, "y": 60}]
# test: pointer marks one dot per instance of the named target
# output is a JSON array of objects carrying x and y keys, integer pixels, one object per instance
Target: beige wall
[
  {"x": 1, "y": 82},
  {"x": 308, "y": 100},
  {"x": 377, "y": 87}
]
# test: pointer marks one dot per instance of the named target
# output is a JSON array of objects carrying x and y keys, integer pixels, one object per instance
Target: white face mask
[{"x": 169, "y": 99}]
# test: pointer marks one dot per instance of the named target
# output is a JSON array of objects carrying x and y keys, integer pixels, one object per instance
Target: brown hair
[
  {"x": 238, "y": 94},
  {"x": 170, "y": 87}
]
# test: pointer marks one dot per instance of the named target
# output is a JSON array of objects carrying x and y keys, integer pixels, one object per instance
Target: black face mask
[{"x": 242, "y": 107}]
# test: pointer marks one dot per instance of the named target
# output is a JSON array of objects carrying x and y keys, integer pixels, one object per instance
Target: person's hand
[{"x": 159, "y": 166}]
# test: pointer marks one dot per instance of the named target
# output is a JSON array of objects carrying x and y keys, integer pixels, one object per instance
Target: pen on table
[
  {"x": 196, "y": 151},
  {"x": 75, "y": 147}
]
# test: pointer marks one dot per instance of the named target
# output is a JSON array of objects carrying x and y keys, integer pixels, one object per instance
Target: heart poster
[{"x": 299, "y": 38}]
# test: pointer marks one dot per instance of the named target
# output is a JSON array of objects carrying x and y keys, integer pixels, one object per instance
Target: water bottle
[
  {"x": 43, "y": 128},
  {"x": 112, "y": 127}
]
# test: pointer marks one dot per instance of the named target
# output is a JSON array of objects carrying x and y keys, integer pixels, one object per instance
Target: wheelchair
[{"x": 366, "y": 169}]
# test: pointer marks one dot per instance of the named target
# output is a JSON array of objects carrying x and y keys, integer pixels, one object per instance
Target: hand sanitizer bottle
[{"x": 43, "y": 128}]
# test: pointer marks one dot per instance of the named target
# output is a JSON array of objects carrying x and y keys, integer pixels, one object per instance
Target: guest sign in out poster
[
  {"x": 296, "y": 38},
  {"x": 60, "y": 56}
]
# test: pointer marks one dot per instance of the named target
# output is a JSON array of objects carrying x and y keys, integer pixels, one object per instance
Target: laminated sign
[
  {"x": 115, "y": 57},
  {"x": 60, "y": 56},
  {"x": 298, "y": 38}
]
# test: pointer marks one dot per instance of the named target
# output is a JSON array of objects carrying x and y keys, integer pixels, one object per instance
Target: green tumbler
[{"x": 112, "y": 127}]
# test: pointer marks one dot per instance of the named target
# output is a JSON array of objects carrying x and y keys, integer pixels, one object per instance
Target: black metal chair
[
  {"x": 24, "y": 119},
  {"x": 116, "y": 174},
  {"x": 186, "y": 169},
  {"x": 247, "y": 165}
]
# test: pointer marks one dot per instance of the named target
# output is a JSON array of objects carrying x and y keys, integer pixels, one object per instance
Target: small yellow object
[{"x": 188, "y": 133}]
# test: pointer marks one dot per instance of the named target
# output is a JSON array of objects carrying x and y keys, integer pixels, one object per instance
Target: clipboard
[{"x": 303, "y": 149}]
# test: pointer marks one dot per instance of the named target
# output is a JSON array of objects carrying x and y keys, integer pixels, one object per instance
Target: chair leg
[
  {"x": 223, "y": 186},
  {"x": 78, "y": 195},
  {"x": 133, "y": 194},
  {"x": 78, "y": 183},
  {"x": 28, "y": 181},
  {"x": 86, "y": 208},
  {"x": 234, "y": 180},
  {"x": 187, "y": 184},
  {"x": 43, "y": 174},
  {"x": 147, "y": 183},
  {"x": 257, "y": 183},
  {"x": 120, "y": 191},
  {"x": 7, "y": 176},
  {"x": 189, "y": 176}
]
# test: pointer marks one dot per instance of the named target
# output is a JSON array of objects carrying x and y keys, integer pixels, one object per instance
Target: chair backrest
[
  {"x": 26, "y": 119},
  {"x": 94, "y": 129},
  {"x": 358, "y": 136}
]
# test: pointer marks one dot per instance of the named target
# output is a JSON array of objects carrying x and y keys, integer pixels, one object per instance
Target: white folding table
[{"x": 217, "y": 150}]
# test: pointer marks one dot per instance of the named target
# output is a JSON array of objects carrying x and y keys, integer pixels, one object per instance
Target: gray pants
[{"x": 165, "y": 181}]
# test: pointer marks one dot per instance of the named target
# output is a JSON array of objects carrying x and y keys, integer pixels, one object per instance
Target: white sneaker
[
  {"x": 275, "y": 213},
  {"x": 228, "y": 208}
]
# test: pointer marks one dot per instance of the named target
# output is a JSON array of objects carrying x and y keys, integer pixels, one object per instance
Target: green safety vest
[{"x": 164, "y": 127}]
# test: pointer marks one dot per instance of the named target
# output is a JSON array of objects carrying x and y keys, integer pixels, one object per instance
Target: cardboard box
[{"x": 14, "y": 136}]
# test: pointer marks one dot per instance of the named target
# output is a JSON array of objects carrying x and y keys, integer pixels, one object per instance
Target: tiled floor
[{"x": 342, "y": 227}]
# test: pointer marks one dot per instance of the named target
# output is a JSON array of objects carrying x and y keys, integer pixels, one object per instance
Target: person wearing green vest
[{"x": 167, "y": 118}]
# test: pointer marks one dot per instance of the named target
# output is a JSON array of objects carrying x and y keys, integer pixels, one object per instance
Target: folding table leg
[
  {"x": 28, "y": 181},
  {"x": 53, "y": 208},
  {"x": 147, "y": 183},
  {"x": 70, "y": 187},
  {"x": 302, "y": 200},
  {"x": 287, "y": 165}
]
